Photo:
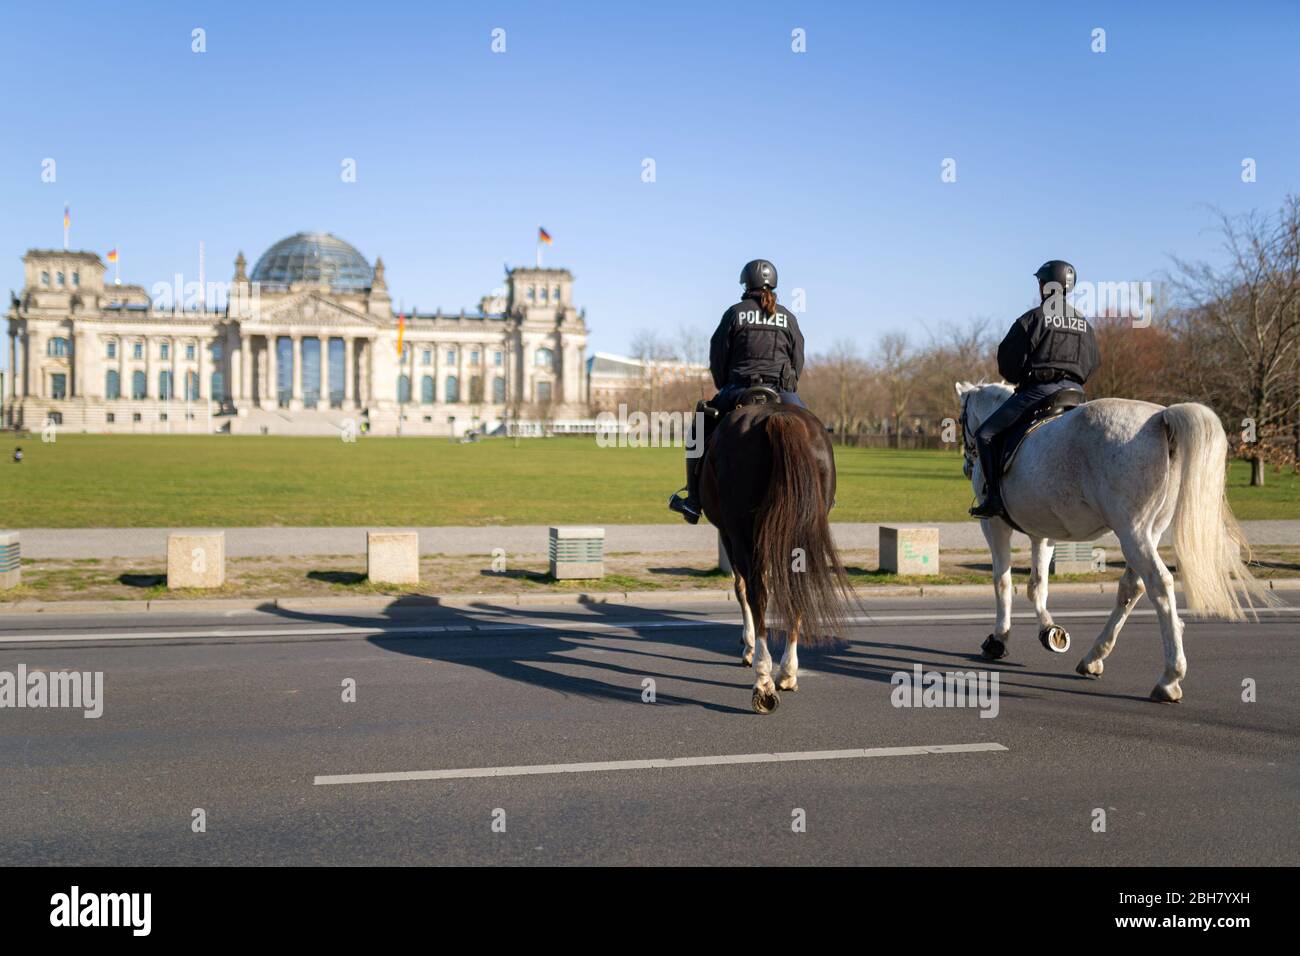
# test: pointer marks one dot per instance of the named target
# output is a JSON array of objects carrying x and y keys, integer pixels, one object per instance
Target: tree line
[{"x": 1223, "y": 333}]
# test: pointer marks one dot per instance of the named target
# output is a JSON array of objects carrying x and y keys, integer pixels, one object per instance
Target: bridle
[{"x": 970, "y": 450}]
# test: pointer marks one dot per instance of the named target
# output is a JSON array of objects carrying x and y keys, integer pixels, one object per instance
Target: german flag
[
  {"x": 543, "y": 236},
  {"x": 401, "y": 332},
  {"x": 67, "y": 216},
  {"x": 112, "y": 255}
]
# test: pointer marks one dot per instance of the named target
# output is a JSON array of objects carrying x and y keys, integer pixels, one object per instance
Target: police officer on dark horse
[
  {"x": 1049, "y": 348},
  {"x": 764, "y": 475},
  {"x": 758, "y": 342}
]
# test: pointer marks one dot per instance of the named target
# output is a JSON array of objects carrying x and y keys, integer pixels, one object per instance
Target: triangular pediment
[{"x": 313, "y": 310}]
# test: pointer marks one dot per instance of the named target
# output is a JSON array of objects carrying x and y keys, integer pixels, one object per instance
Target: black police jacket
[
  {"x": 751, "y": 346},
  {"x": 1047, "y": 344}
]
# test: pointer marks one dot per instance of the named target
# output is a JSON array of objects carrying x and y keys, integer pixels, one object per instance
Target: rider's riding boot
[
  {"x": 689, "y": 506},
  {"x": 990, "y": 464}
]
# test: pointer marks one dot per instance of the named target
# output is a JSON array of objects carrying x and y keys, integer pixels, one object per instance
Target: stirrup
[{"x": 990, "y": 507}]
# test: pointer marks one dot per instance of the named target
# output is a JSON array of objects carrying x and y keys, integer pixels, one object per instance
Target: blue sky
[{"x": 827, "y": 162}]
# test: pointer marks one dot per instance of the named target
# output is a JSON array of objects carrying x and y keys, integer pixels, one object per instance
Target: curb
[{"x": 381, "y": 602}]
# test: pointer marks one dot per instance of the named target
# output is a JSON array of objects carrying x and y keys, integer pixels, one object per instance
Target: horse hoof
[
  {"x": 1055, "y": 638},
  {"x": 792, "y": 686},
  {"x": 747, "y": 662},
  {"x": 993, "y": 648},
  {"x": 1167, "y": 695},
  {"x": 765, "y": 703},
  {"x": 1082, "y": 668}
]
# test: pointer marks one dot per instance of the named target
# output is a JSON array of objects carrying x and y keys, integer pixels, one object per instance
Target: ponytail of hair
[{"x": 767, "y": 299}]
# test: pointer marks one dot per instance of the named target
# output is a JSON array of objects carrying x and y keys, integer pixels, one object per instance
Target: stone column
[
  {"x": 370, "y": 371},
  {"x": 149, "y": 385},
  {"x": 323, "y": 392},
  {"x": 295, "y": 386},
  {"x": 271, "y": 393},
  {"x": 201, "y": 390},
  {"x": 13, "y": 365},
  {"x": 123, "y": 386},
  {"x": 347, "y": 372},
  {"x": 245, "y": 367}
]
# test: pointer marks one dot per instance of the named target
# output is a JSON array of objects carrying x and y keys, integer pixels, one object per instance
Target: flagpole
[
  {"x": 117, "y": 265},
  {"x": 539, "y": 254},
  {"x": 66, "y": 221}
]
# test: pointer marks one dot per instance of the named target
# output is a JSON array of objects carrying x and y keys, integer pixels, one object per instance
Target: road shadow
[{"x": 546, "y": 654}]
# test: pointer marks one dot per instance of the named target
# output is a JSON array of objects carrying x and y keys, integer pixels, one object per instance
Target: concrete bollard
[
  {"x": 576, "y": 553},
  {"x": 11, "y": 561},
  {"x": 196, "y": 560},
  {"x": 909, "y": 550},
  {"x": 393, "y": 557},
  {"x": 1077, "y": 557}
]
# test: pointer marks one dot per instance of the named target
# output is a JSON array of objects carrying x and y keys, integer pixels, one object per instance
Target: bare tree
[
  {"x": 1243, "y": 319},
  {"x": 896, "y": 364}
]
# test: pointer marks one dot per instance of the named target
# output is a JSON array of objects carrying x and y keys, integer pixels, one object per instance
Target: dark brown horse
[{"x": 767, "y": 483}]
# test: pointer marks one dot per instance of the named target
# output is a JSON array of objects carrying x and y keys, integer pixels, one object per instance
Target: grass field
[{"x": 179, "y": 481}]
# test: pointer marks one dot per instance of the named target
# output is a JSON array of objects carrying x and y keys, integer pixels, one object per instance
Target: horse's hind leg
[
  {"x": 765, "y": 699},
  {"x": 789, "y": 679},
  {"x": 1145, "y": 559},
  {"x": 746, "y": 629},
  {"x": 1129, "y": 593}
]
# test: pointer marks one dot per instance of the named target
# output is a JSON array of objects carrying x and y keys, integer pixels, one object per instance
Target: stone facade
[{"x": 298, "y": 356}]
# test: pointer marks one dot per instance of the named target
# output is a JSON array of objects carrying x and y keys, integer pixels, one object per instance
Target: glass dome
[{"x": 313, "y": 257}]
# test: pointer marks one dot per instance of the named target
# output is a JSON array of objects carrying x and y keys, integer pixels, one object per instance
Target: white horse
[{"x": 1132, "y": 468}]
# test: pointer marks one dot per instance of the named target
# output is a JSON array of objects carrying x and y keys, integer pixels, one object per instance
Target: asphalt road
[{"x": 240, "y": 715}]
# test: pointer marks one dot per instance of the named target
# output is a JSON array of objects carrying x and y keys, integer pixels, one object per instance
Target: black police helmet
[
  {"x": 1056, "y": 271},
  {"x": 759, "y": 274}
]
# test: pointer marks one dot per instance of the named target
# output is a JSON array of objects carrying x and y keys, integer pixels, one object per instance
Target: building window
[
  {"x": 531, "y": 294},
  {"x": 543, "y": 294},
  {"x": 58, "y": 279},
  {"x": 135, "y": 416},
  {"x": 555, "y": 295},
  {"x": 58, "y": 385},
  {"x": 544, "y": 358},
  {"x": 498, "y": 358},
  {"x": 162, "y": 416},
  {"x": 543, "y": 393},
  {"x": 112, "y": 350},
  {"x": 137, "y": 387},
  {"x": 426, "y": 357},
  {"x": 164, "y": 350},
  {"x": 451, "y": 356},
  {"x": 76, "y": 280},
  {"x": 111, "y": 418},
  {"x": 45, "y": 278},
  {"x": 112, "y": 384},
  {"x": 426, "y": 390},
  {"x": 451, "y": 389},
  {"x": 499, "y": 390},
  {"x": 57, "y": 348},
  {"x": 137, "y": 350},
  {"x": 54, "y": 418},
  {"x": 190, "y": 351},
  {"x": 403, "y": 389},
  {"x": 473, "y": 357},
  {"x": 216, "y": 352},
  {"x": 165, "y": 385},
  {"x": 192, "y": 386},
  {"x": 218, "y": 387}
]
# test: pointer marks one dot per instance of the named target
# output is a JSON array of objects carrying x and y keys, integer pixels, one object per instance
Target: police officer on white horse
[
  {"x": 758, "y": 342},
  {"x": 1049, "y": 348}
]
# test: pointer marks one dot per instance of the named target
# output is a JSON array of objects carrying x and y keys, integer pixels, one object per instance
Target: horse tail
[
  {"x": 794, "y": 554},
  {"x": 1207, "y": 538}
]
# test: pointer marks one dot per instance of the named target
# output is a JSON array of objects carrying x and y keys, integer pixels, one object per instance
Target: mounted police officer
[
  {"x": 1049, "y": 348},
  {"x": 758, "y": 342}
]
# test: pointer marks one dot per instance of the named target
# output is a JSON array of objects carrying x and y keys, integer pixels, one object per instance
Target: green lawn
[{"x": 174, "y": 481}]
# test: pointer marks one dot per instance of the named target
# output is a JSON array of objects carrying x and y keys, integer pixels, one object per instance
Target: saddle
[
  {"x": 1049, "y": 409},
  {"x": 759, "y": 395}
]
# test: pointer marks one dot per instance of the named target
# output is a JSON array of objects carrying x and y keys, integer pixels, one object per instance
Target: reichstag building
[{"x": 306, "y": 344}]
